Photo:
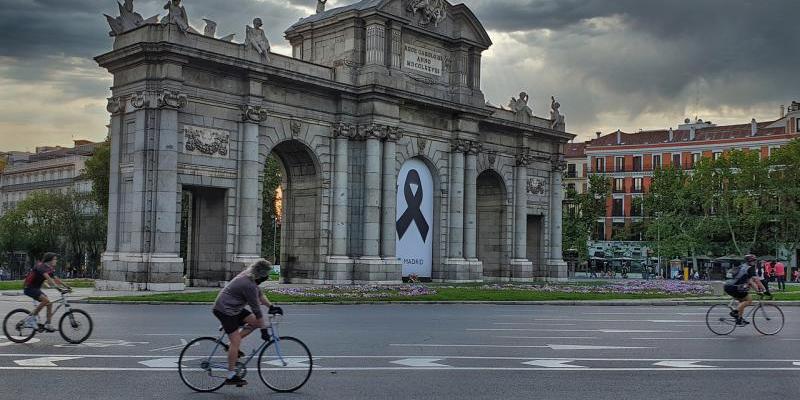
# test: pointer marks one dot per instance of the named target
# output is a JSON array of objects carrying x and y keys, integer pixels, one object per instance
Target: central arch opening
[{"x": 291, "y": 212}]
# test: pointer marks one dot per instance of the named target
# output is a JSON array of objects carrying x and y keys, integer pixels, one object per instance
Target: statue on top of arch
[
  {"x": 520, "y": 105},
  {"x": 432, "y": 11},
  {"x": 128, "y": 19},
  {"x": 556, "y": 118}
]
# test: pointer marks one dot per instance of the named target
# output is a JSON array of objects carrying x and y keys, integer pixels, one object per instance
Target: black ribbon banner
[{"x": 413, "y": 212}]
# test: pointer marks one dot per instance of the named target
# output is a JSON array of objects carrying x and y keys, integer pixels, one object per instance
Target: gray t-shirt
[{"x": 239, "y": 292}]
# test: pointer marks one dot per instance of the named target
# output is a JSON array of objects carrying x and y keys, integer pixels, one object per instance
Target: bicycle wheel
[
  {"x": 719, "y": 320},
  {"x": 75, "y": 326},
  {"x": 285, "y": 365},
  {"x": 203, "y": 364},
  {"x": 14, "y": 326},
  {"x": 768, "y": 319}
]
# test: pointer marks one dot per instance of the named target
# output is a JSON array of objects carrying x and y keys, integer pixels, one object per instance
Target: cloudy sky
[{"x": 613, "y": 64}]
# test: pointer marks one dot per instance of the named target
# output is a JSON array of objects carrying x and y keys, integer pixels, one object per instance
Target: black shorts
[
  {"x": 734, "y": 292},
  {"x": 34, "y": 293},
  {"x": 231, "y": 323}
]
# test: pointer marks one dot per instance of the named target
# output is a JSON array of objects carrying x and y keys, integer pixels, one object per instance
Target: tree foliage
[
  {"x": 270, "y": 225},
  {"x": 97, "y": 169},
  {"x": 582, "y": 212},
  {"x": 739, "y": 203}
]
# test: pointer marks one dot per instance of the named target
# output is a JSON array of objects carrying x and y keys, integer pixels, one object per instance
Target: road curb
[{"x": 527, "y": 303}]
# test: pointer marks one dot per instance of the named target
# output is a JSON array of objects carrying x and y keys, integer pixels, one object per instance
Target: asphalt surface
[{"x": 425, "y": 352}]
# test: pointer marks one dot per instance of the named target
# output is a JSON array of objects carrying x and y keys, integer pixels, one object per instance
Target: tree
[
  {"x": 582, "y": 212},
  {"x": 97, "y": 168},
  {"x": 271, "y": 234},
  {"x": 785, "y": 190}
]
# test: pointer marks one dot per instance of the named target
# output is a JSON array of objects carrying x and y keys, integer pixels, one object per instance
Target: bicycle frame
[
  {"x": 62, "y": 302},
  {"x": 752, "y": 307},
  {"x": 273, "y": 331}
]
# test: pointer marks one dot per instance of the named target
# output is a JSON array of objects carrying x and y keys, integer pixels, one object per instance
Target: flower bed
[{"x": 628, "y": 287}]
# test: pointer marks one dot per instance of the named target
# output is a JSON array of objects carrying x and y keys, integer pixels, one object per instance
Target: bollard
[{"x": 685, "y": 274}]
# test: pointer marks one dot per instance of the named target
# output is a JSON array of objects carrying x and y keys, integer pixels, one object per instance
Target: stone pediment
[{"x": 456, "y": 22}]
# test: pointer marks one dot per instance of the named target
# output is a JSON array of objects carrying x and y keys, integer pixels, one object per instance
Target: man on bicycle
[
  {"x": 743, "y": 279},
  {"x": 43, "y": 272},
  {"x": 229, "y": 308}
]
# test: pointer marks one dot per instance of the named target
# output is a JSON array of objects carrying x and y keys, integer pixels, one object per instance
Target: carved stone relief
[
  {"x": 115, "y": 105},
  {"x": 295, "y": 127},
  {"x": 255, "y": 114},
  {"x": 206, "y": 141},
  {"x": 429, "y": 11},
  {"x": 537, "y": 186},
  {"x": 422, "y": 144},
  {"x": 171, "y": 99}
]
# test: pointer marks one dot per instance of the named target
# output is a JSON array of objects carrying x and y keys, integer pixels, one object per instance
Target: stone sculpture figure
[
  {"x": 321, "y": 6},
  {"x": 254, "y": 36},
  {"x": 127, "y": 20},
  {"x": 177, "y": 15},
  {"x": 431, "y": 11},
  {"x": 521, "y": 104},
  {"x": 555, "y": 116}
]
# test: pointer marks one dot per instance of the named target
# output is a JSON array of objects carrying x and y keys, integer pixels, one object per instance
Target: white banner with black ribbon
[{"x": 414, "y": 222}]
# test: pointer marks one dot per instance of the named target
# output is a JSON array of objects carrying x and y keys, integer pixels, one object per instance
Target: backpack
[{"x": 29, "y": 277}]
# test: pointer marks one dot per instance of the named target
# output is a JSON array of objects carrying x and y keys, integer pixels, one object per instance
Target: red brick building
[{"x": 628, "y": 160}]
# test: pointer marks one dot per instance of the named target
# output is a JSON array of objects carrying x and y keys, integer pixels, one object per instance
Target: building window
[
  {"x": 757, "y": 151},
  {"x": 619, "y": 185},
  {"x": 656, "y": 161},
  {"x": 617, "y": 210},
  {"x": 717, "y": 155},
  {"x": 637, "y": 163},
  {"x": 637, "y": 185},
  {"x": 676, "y": 161},
  {"x": 585, "y": 168},
  {"x": 695, "y": 159},
  {"x": 797, "y": 125},
  {"x": 584, "y": 187},
  {"x": 571, "y": 171},
  {"x": 619, "y": 164},
  {"x": 599, "y": 164}
]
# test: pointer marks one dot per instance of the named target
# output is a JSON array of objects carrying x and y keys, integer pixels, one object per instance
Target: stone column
[
  {"x": 471, "y": 212},
  {"x": 116, "y": 106},
  {"x": 249, "y": 168},
  {"x": 521, "y": 267},
  {"x": 389, "y": 205},
  {"x": 338, "y": 265},
  {"x": 368, "y": 268},
  {"x": 556, "y": 265},
  {"x": 456, "y": 193}
]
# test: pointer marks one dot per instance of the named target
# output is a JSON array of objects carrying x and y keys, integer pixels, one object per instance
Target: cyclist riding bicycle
[
  {"x": 43, "y": 273},
  {"x": 229, "y": 308},
  {"x": 745, "y": 277}
]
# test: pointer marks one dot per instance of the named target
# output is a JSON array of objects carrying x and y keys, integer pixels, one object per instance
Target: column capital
[
  {"x": 558, "y": 163},
  {"x": 251, "y": 113},
  {"x": 115, "y": 105},
  {"x": 344, "y": 130},
  {"x": 394, "y": 133},
  {"x": 474, "y": 148},
  {"x": 459, "y": 145},
  {"x": 171, "y": 99},
  {"x": 372, "y": 131},
  {"x": 524, "y": 157},
  {"x": 139, "y": 100}
]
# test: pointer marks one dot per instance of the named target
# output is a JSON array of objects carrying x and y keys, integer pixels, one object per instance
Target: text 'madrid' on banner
[
  {"x": 422, "y": 60},
  {"x": 414, "y": 223}
]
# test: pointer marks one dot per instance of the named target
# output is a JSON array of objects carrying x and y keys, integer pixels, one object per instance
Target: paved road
[{"x": 427, "y": 352}]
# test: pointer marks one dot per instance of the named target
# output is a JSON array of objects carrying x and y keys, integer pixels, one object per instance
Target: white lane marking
[
  {"x": 546, "y": 337},
  {"x": 175, "y": 347},
  {"x": 167, "y": 362},
  {"x": 683, "y": 338},
  {"x": 575, "y": 330},
  {"x": 420, "y": 362},
  {"x": 43, "y": 361},
  {"x": 291, "y": 362},
  {"x": 646, "y": 313},
  {"x": 102, "y": 343},
  {"x": 682, "y": 364},
  {"x": 671, "y": 321},
  {"x": 553, "y": 363},
  {"x": 172, "y": 334},
  {"x": 548, "y": 346},
  {"x": 588, "y": 369},
  {"x": 10, "y": 343},
  {"x": 796, "y": 363},
  {"x": 587, "y": 347},
  {"x": 530, "y": 323}
]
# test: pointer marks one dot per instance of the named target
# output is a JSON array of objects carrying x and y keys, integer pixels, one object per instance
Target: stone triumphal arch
[{"x": 394, "y": 164}]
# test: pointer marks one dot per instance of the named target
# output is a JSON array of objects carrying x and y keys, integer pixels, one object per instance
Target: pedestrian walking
[
  {"x": 795, "y": 275},
  {"x": 780, "y": 275},
  {"x": 769, "y": 271}
]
